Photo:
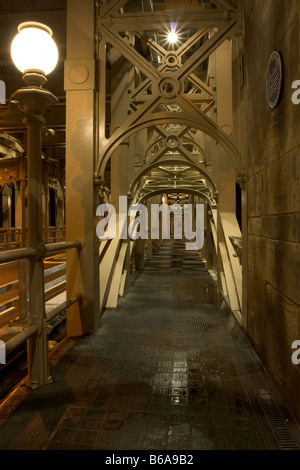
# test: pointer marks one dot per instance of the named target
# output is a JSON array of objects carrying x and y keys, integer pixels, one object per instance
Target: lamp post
[{"x": 35, "y": 54}]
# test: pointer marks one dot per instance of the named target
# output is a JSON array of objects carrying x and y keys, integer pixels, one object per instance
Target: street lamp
[{"x": 34, "y": 53}]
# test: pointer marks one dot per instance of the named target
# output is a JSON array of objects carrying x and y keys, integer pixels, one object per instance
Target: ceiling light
[{"x": 172, "y": 36}]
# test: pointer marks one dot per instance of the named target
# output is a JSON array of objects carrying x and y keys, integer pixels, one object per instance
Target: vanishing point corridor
[
  {"x": 133, "y": 132},
  {"x": 170, "y": 369}
]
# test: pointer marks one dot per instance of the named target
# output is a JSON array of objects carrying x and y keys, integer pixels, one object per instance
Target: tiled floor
[{"x": 170, "y": 369}]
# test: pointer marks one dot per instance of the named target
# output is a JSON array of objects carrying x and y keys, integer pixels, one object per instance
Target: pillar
[
  {"x": 226, "y": 173},
  {"x": 81, "y": 196}
]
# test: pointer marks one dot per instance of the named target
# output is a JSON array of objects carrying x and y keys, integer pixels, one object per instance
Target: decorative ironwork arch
[
  {"x": 169, "y": 161},
  {"x": 144, "y": 197},
  {"x": 205, "y": 125}
]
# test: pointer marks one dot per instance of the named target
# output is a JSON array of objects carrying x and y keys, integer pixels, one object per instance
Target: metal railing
[
  {"x": 12, "y": 238},
  {"x": 29, "y": 329}
]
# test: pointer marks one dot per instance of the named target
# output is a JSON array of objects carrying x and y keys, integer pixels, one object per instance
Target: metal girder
[
  {"x": 196, "y": 120},
  {"x": 185, "y": 180},
  {"x": 173, "y": 61},
  {"x": 129, "y": 52},
  {"x": 226, "y": 4},
  {"x": 201, "y": 85},
  {"x": 171, "y": 140},
  {"x": 205, "y": 50},
  {"x": 145, "y": 21},
  {"x": 208, "y": 126},
  {"x": 171, "y": 161},
  {"x": 138, "y": 96},
  {"x": 144, "y": 196},
  {"x": 161, "y": 82},
  {"x": 105, "y": 10},
  {"x": 161, "y": 157}
]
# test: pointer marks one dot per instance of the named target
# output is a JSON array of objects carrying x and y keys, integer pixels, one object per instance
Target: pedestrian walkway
[{"x": 169, "y": 369}]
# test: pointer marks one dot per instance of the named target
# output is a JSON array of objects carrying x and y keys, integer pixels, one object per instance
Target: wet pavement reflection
[{"x": 169, "y": 369}]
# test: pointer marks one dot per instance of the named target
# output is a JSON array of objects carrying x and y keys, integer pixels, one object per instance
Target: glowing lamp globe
[{"x": 34, "y": 52}]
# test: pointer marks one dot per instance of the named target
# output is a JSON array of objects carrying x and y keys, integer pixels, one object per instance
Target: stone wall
[{"x": 273, "y": 173}]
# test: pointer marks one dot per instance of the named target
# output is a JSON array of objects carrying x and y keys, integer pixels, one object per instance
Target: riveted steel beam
[
  {"x": 129, "y": 52},
  {"x": 159, "y": 82},
  {"x": 205, "y": 50},
  {"x": 172, "y": 161},
  {"x": 227, "y": 5},
  {"x": 162, "y": 19},
  {"x": 196, "y": 120},
  {"x": 151, "y": 194}
]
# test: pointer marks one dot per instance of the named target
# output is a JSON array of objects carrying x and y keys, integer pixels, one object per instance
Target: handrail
[
  {"x": 17, "y": 254},
  {"x": 29, "y": 331},
  {"x": 21, "y": 338},
  {"x": 60, "y": 308},
  {"x": 17, "y": 237},
  {"x": 60, "y": 246},
  {"x": 23, "y": 253}
]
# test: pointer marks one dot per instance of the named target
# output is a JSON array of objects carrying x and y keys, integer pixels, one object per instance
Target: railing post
[{"x": 22, "y": 289}]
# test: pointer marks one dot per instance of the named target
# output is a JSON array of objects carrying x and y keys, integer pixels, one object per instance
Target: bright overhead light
[
  {"x": 172, "y": 36},
  {"x": 33, "y": 48}
]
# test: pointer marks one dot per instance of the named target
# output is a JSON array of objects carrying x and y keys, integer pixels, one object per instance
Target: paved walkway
[{"x": 170, "y": 369}]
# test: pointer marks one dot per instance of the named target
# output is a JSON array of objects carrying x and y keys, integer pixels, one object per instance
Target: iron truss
[{"x": 172, "y": 94}]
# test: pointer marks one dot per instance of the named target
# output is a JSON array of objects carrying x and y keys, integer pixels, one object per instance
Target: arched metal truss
[
  {"x": 172, "y": 140},
  {"x": 143, "y": 197},
  {"x": 200, "y": 173},
  {"x": 164, "y": 118},
  {"x": 173, "y": 108},
  {"x": 173, "y": 79},
  {"x": 169, "y": 151}
]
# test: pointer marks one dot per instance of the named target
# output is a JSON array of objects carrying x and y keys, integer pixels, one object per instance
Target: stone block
[
  {"x": 281, "y": 318},
  {"x": 287, "y": 38},
  {"x": 256, "y": 296},
  {"x": 259, "y": 26},
  {"x": 258, "y": 113},
  {"x": 255, "y": 195},
  {"x": 276, "y": 263},
  {"x": 273, "y": 358},
  {"x": 262, "y": 260},
  {"x": 292, "y": 386},
  {"x": 256, "y": 331},
  {"x": 273, "y": 192},
  {"x": 286, "y": 277},
  {"x": 281, "y": 183},
  {"x": 255, "y": 226},
  {"x": 281, "y": 227}
]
